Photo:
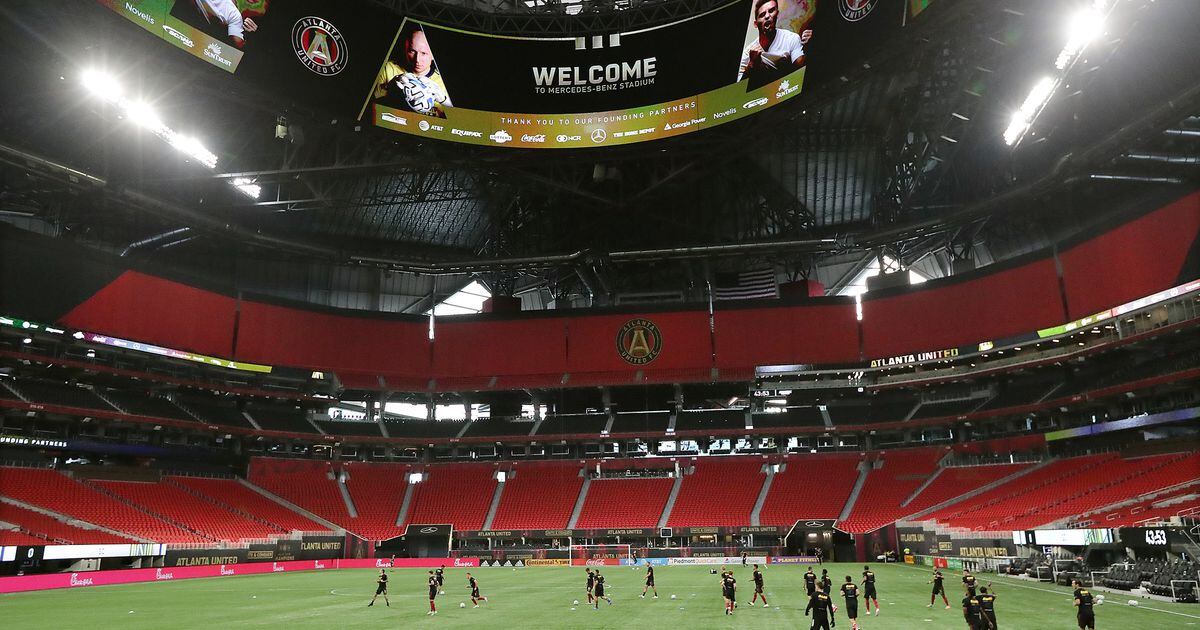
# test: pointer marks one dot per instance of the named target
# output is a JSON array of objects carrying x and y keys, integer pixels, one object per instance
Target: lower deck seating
[
  {"x": 810, "y": 487},
  {"x": 378, "y": 492},
  {"x": 721, "y": 492},
  {"x": 54, "y": 491},
  {"x": 539, "y": 495},
  {"x": 176, "y": 504},
  {"x": 52, "y": 529},
  {"x": 635, "y": 502},
  {"x": 307, "y": 484},
  {"x": 232, "y": 493},
  {"x": 957, "y": 481},
  {"x": 454, "y": 494},
  {"x": 896, "y": 478}
]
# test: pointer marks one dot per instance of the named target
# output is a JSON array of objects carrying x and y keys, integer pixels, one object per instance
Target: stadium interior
[{"x": 913, "y": 313}]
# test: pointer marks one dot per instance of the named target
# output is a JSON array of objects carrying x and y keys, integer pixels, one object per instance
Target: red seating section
[
  {"x": 457, "y": 494},
  {"x": 58, "y": 493},
  {"x": 378, "y": 492},
  {"x": 720, "y": 493},
  {"x": 305, "y": 484},
  {"x": 957, "y": 481},
  {"x": 177, "y": 505},
  {"x": 901, "y": 473},
  {"x": 17, "y": 538},
  {"x": 1069, "y": 487},
  {"x": 1161, "y": 506},
  {"x": 624, "y": 502},
  {"x": 541, "y": 495},
  {"x": 234, "y": 495},
  {"x": 53, "y": 529},
  {"x": 810, "y": 487}
]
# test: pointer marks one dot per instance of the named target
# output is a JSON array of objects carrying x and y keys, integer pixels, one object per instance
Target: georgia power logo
[
  {"x": 320, "y": 46},
  {"x": 639, "y": 341},
  {"x": 855, "y": 10}
]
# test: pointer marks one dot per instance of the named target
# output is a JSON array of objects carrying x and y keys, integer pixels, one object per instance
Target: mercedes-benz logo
[
  {"x": 599, "y": 135},
  {"x": 814, "y": 524},
  {"x": 428, "y": 530}
]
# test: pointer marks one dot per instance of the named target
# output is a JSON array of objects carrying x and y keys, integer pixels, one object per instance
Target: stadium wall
[{"x": 1075, "y": 278}]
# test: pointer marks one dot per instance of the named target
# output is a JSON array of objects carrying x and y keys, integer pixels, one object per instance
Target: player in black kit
[
  {"x": 599, "y": 590},
  {"x": 825, "y": 582},
  {"x": 938, "y": 589},
  {"x": 441, "y": 578},
  {"x": 474, "y": 586},
  {"x": 972, "y": 613},
  {"x": 381, "y": 589},
  {"x": 810, "y": 582},
  {"x": 649, "y": 581},
  {"x": 969, "y": 582},
  {"x": 987, "y": 606},
  {"x": 822, "y": 609},
  {"x": 1086, "y": 615},
  {"x": 591, "y": 584},
  {"x": 758, "y": 588},
  {"x": 433, "y": 591},
  {"x": 850, "y": 592},
  {"x": 869, "y": 594},
  {"x": 728, "y": 590}
]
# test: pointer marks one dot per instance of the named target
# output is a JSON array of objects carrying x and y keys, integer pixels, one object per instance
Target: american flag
[{"x": 747, "y": 285}]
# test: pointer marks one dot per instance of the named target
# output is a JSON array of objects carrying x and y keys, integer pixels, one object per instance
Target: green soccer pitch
[{"x": 541, "y": 597}]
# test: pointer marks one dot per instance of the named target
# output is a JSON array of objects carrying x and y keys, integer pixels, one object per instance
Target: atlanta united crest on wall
[
  {"x": 639, "y": 341},
  {"x": 319, "y": 46},
  {"x": 855, "y": 10}
]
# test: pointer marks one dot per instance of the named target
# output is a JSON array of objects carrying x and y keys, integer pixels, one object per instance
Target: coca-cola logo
[
  {"x": 225, "y": 571},
  {"x": 75, "y": 581},
  {"x": 595, "y": 563},
  {"x": 159, "y": 574}
]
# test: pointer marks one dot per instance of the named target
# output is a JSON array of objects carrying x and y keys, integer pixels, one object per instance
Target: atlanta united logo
[
  {"x": 855, "y": 10},
  {"x": 319, "y": 46},
  {"x": 639, "y": 341}
]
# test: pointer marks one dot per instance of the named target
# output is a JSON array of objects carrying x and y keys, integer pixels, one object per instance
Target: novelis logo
[
  {"x": 639, "y": 341},
  {"x": 138, "y": 12},
  {"x": 320, "y": 46},
  {"x": 500, "y": 137},
  {"x": 855, "y": 10}
]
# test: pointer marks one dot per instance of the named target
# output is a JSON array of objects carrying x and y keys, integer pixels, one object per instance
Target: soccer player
[
  {"x": 987, "y": 606},
  {"x": 825, "y": 582},
  {"x": 1086, "y": 615},
  {"x": 758, "y": 588},
  {"x": 969, "y": 581},
  {"x": 850, "y": 592},
  {"x": 810, "y": 582},
  {"x": 591, "y": 584},
  {"x": 381, "y": 589},
  {"x": 972, "y": 613},
  {"x": 433, "y": 592},
  {"x": 599, "y": 590},
  {"x": 441, "y": 579},
  {"x": 649, "y": 581},
  {"x": 728, "y": 590},
  {"x": 744, "y": 558},
  {"x": 869, "y": 594},
  {"x": 474, "y": 586},
  {"x": 822, "y": 609},
  {"x": 938, "y": 589}
]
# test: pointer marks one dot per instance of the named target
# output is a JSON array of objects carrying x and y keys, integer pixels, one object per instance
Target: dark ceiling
[{"x": 903, "y": 157}]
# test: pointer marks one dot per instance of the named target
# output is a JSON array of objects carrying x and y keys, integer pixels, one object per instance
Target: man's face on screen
[
  {"x": 417, "y": 53},
  {"x": 766, "y": 16}
]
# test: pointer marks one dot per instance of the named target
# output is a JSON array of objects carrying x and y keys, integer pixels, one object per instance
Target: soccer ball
[
  {"x": 441, "y": 592},
  {"x": 462, "y": 604},
  {"x": 672, "y": 596},
  {"x": 421, "y": 94},
  {"x": 1133, "y": 602},
  {"x": 575, "y": 603}
]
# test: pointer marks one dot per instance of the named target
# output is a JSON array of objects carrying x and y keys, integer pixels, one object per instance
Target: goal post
[{"x": 601, "y": 555}]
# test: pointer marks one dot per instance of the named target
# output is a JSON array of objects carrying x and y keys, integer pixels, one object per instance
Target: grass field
[{"x": 542, "y": 597}]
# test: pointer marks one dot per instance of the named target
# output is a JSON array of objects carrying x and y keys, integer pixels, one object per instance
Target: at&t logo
[{"x": 320, "y": 46}]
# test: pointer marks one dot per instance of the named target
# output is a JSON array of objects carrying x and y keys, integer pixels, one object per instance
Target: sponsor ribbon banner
[
  {"x": 548, "y": 562},
  {"x": 130, "y": 576},
  {"x": 716, "y": 560},
  {"x": 792, "y": 560}
]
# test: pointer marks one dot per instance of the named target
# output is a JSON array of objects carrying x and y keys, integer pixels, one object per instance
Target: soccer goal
[{"x": 599, "y": 555}]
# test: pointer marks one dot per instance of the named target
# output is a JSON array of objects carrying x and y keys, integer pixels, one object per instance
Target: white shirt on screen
[
  {"x": 225, "y": 12},
  {"x": 785, "y": 45}
]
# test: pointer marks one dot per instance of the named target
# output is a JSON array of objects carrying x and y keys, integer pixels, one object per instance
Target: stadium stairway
[
  {"x": 864, "y": 469},
  {"x": 946, "y": 488},
  {"x": 579, "y": 502},
  {"x": 756, "y": 513},
  {"x": 624, "y": 502},
  {"x": 52, "y": 526},
  {"x": 538, "y": 495},
  {"x": 235, "y": 496},
  {"x": 495, "y": 505},
  {"x": 290, "y": 506}
]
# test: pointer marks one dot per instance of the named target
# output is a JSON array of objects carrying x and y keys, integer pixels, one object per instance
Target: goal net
[{"x": 598, "y": 555}]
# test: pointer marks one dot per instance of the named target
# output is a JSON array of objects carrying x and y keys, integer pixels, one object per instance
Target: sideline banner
[
  {"x": 24, "y": 583},
  {"x": 717, "y": 560},
  {"x": 793, "y": 560}
]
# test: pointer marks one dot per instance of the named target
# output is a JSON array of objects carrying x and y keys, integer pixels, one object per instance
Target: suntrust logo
[{"x": 76, "y": 581}]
